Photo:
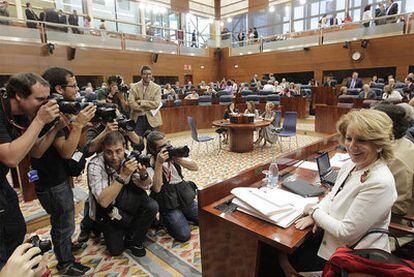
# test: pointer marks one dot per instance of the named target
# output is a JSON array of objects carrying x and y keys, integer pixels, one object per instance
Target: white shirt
[
  {"x": 367, "y": 16},
  {"x": 357, "y": 208},
  {"x": 395, "y": 94},
  {"x": 269, "y": 87}
]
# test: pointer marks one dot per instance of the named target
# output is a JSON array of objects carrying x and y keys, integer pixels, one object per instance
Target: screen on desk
[{"x": 324, "y": 166}]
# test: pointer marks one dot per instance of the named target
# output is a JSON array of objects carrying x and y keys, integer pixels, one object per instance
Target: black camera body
[
  {"x": 177, "y": 152},
  {"x": 141, "y": 158},
  {"x": 44, "y": 245}
]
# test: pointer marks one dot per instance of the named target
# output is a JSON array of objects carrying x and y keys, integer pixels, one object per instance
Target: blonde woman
[{"x": 267, "y": 134}]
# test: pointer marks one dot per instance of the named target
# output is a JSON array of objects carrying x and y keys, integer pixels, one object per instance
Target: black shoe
[
  {"x": 83, "y": 236},
  {"x": 74, "y": 269},
  {"x": 138, "y": 250}
]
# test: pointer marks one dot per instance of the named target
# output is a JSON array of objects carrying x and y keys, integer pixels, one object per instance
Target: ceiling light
[
  {"x": 202, "y": 66},
  {"x": 236, "y": 66},
  {"x": 302, "y": 2},
  {"x": 271, "y": 9},
  {"x": 229, "y": 20},
  {"x": 221, "y": 24}
]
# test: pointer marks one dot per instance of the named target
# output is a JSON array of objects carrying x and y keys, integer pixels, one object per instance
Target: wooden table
[
  {"x": 241, "y": 135},
  {"x": 236, "y": 244}
]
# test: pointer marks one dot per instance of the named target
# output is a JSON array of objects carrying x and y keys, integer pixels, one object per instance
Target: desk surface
[{"x": 226, "y": 123}]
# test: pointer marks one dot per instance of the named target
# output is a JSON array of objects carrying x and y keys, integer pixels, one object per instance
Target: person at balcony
[
  {"x": 241, "y": 38},
  {"x": 269, "y": 87},
  {"x": 391, "y": 94},
  {"x": 333, "y": 21},
  {"x": 31, "y": 15},
  {"x": 367, "y": 93},
  {"x": 4, "y": 11},
  {"x": 323, "y": 21},
  {"x": 193, "y": 95},
  {"x": 354, "y": 81},
  {"x": 63, "y": 20},
  {"x": 194, "y": 39},
  {"x": 86, "y": 24},
  {"x": 255, "y": 34},
  {"x": 367, "y": 16},
  {"x": 250, "y": 36},
  {"x": 380, "y": 12},
  {"x": 347, "y": 19},
  {"x": 392, "y": 8},
  {"x": 103, "y": 25},
  {"x": 74, "y": 21}
]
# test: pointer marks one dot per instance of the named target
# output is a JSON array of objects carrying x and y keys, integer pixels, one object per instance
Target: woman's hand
[{"x": 304, "y": 223}]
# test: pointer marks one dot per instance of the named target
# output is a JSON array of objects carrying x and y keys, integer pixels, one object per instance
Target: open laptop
[{"x": 326, "y": 173}]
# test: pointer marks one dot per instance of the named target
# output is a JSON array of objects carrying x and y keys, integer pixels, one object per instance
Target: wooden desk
[
  {"x": 323, "y": 95},
  {"x": 241, "y": 135},
  {"x": 294, "y": 104},
  {"x": 233, "y": 244}
]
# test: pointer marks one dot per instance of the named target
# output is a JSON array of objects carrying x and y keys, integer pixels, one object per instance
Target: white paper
[
  {"x": 154, "y": 112},
  {"x": 307, "y": 165}
]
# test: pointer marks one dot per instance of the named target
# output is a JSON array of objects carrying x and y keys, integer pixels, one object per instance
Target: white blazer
[{"x": 357, "y": 208}]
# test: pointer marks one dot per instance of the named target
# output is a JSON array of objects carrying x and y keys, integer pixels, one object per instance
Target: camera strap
[{"x": 5, "y": 103}]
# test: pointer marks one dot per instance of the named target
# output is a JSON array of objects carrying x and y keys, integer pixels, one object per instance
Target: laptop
[{"x": 326, "y": 173}]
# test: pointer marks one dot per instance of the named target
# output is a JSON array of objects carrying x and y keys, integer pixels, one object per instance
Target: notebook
[{"x": 326, "y": 173}]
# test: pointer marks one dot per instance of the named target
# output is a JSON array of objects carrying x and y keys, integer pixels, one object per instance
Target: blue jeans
[
  {"x": 142, "y": 125},
  {"x": 176, "y": 221},
  {"x": 58, "y": 202},
  {"x": 12, "y": 224}
]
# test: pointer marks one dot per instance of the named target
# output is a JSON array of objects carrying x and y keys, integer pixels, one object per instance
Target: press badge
[
  {"x": 77, "y": 156},
  {"x": 33, "y": 176}
]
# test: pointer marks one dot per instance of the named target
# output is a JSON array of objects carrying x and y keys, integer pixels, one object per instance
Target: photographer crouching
[
  {"x": 115, "y": 93},
  {"x": 174, "y": 195},
  {"x": 118, "y": 199}
]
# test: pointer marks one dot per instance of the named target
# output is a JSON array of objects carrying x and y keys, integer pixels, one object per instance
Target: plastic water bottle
[{"x": 273, "y": 176}]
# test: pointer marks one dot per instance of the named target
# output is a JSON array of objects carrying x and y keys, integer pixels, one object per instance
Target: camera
[
  {"x": 44, "y": 245},
  {"x": 141, "y": 158},
  {"x": 121, "y": 86},
  {"x": 125, "y": 123},
  {"x": 177, "y": 152}
]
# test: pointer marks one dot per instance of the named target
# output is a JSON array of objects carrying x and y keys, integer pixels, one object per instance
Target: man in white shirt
[{"x": 269, "y": 87}]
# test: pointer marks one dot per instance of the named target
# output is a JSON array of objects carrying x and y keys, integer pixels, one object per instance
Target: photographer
[
  {"x": 144, "y": 98},
  {"x": 118, "y": 198},
  {"x": 54, "y": 170},
  {"x": 22, "y": 101},
  {"x": 174, "y": 195},
  {"x": 115, "y": 93}
]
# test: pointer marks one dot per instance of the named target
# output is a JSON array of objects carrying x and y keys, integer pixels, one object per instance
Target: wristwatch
[
  {"x": 120, "y": 180},
  {"x": 312, "y": 210}
]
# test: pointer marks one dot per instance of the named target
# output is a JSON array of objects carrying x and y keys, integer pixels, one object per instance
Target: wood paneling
[
  {"x": 255, "y": 5},
  {"x": 382, "y": 52},
  {"x": 326, "y": 117},
  {"x": 100, "y": 62},
  {"x": 180, "y": 6}
]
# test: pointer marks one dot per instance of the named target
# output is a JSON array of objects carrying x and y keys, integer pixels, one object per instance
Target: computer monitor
[{"x": 324, "y": 166}]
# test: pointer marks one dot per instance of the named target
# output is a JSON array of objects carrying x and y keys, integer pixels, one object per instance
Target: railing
[
  {"x": 78, "y": 36},
  {"x": 327, "y": 35}
]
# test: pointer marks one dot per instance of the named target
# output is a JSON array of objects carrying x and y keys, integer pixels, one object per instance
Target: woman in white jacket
[{"x": 361, "y": 198}]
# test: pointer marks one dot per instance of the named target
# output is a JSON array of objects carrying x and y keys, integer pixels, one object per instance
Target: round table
[{"x": 241, "y": 135}]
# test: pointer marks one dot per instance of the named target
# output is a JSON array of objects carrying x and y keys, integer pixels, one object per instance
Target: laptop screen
[{"x": 324, "y": 166}]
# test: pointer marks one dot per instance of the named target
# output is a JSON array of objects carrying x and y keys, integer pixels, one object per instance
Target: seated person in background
[
  {"x": 402, "y": 166},
  {"x": 278, "y": 87},
  {"x": 178, "y": 88},
  {"x": 210, "y": 91},
  {"x": 354, "y": 81},
  {"x": 366, "y": 93},
  {"x": 255, "y": 81},
  {"x": 189, "y": 86},
  {"x": 174, "y": 195},
  {"x": 269, "y": 87},
  {"x": 119, "y": 201},
  {"x": 294, "y": 89},
  {"x": 284, "y": 84},
  {"x": 391, "y": 80},
  {"x": 168, "y": 89},
  {"x": 229, "y": 110},
  {"x": 391, "y": 94},
  {"x": 192, "y": 95},
  {"x": 343, "y": 90},
  {"x": 202, "y": 85},
  {"x": 244, "y": 86},
  {"x": 374, "y": 79},
  {"x": 351, "y": 208},
  {"x": 234, "y": 84},
  {"x": 409, "y": 84},
  {"x": 89, "y": 94},
  {"x": 285, "y": 92},
  {"x": 229, "y": 88},
  {"x": 251, "y": 109},
  {"x": 267, "y": 133},
  {"x": 330, "y": 82},
  {"x": 313, "y": 83},
  {"x": 406, "y": 94}
]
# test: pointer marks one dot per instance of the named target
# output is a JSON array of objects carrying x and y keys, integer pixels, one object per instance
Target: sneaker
[
  {"x": 74, "y": 269},
  {"x": 83, "y": 236},
  {"x": 138, "y": 250}
]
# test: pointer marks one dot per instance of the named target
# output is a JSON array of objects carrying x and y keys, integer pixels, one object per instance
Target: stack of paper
[{"x": 276, "y": 206}]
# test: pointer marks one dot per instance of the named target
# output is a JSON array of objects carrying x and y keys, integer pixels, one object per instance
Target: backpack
[{"x": 374, "y": 262}]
